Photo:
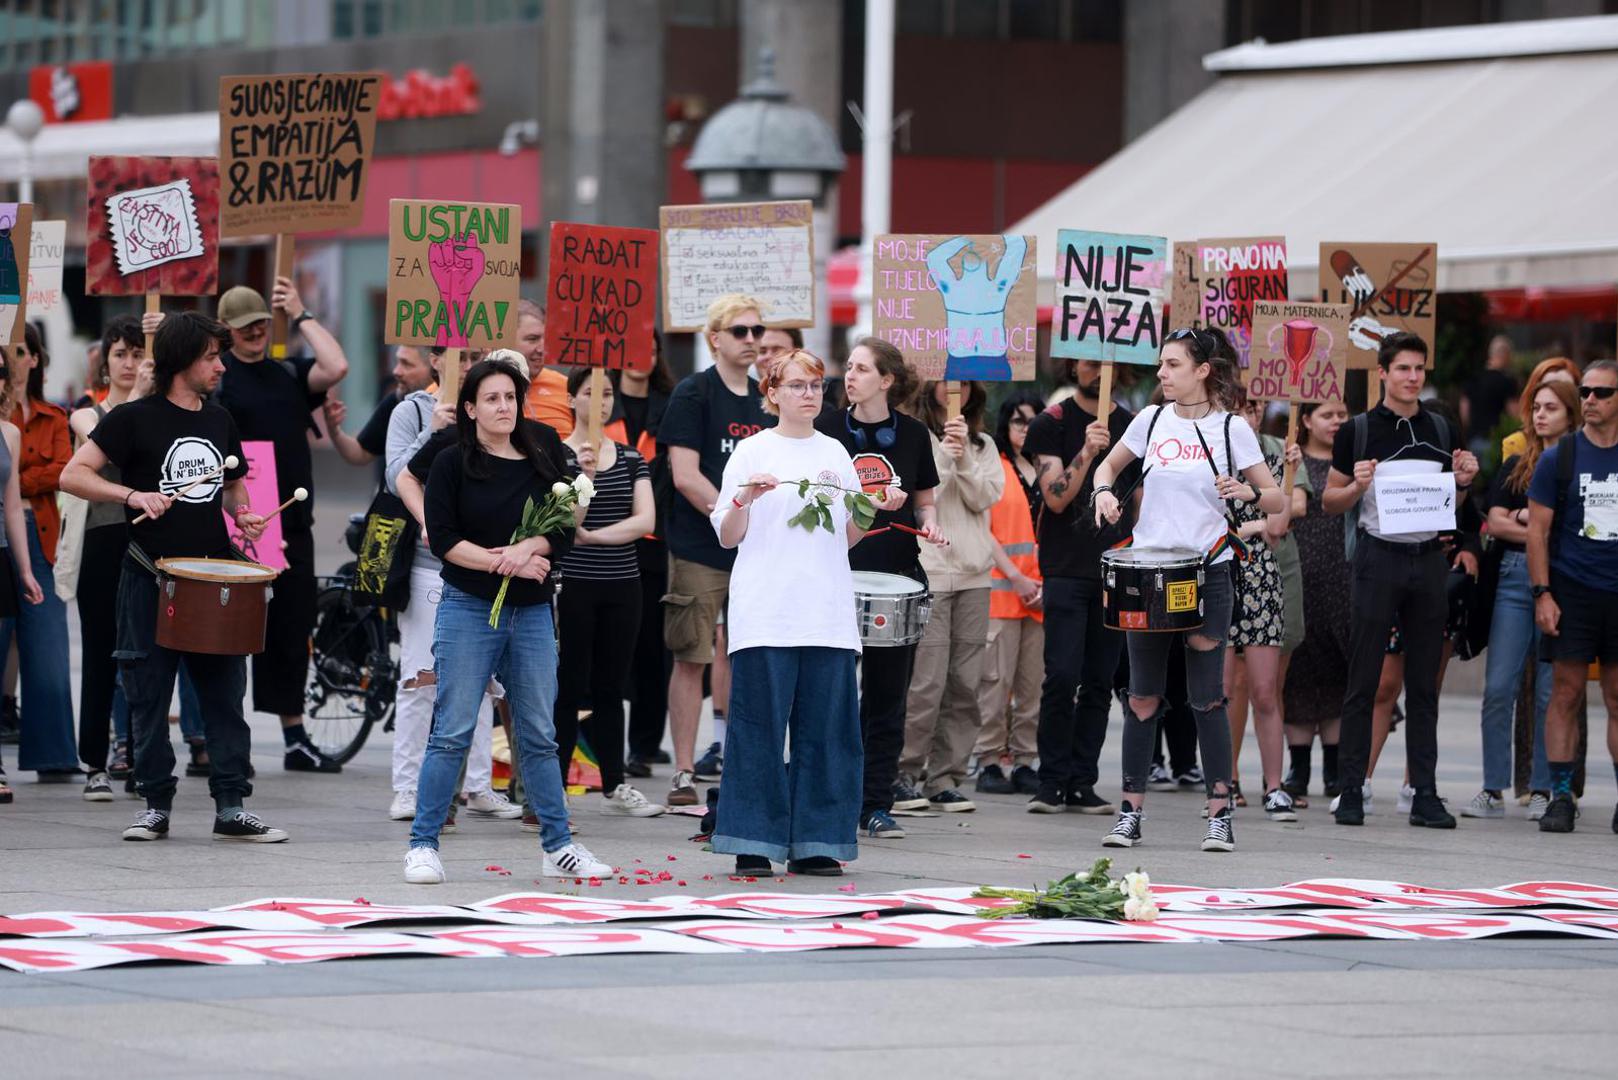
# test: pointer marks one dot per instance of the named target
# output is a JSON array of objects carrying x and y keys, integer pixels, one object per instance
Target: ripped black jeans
[{"x": 1205, "y": 687}]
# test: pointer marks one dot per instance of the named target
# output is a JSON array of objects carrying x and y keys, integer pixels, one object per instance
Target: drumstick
[
  {"x": 230, "y": 463},
  {"x": 298, "y": 495},
  {"x": 906, "y": 528}
]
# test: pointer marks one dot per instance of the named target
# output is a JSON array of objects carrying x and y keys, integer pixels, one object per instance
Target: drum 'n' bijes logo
[
  {"x": 187, "y": 460},
  {"x": 875, "y": 471}
]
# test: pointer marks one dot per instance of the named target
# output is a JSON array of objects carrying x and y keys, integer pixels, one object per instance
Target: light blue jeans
[
  {"x": 1513, "y": 637},
  {"x": 467, "y": 651}
]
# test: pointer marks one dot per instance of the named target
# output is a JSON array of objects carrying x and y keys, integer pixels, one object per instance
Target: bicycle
[{"x": 354, "y": 664}]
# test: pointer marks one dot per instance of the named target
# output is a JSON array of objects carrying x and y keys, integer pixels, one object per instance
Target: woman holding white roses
[
  {"x": 792, "y": 635},
  {"x": 494, "y": 619}
]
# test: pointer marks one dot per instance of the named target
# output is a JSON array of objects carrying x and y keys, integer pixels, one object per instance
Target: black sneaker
[
  {"x": 711, "y": 764},
  {"x": 951, "y": 801},
  {"x": 1560, "y": 814},
  {"x": 1126, "y": 832},
  {"x": 1190, "y": 780},
  {"x": 1221, "y": 835},
  {"x": 659, "y": 757},
  {"x": 879, "y": 825},
  {"x": 1025, "y": 780},
  {"x": 1350, "y": 807},
  {"x": 1160, "y": 779},
  {"x": 1427, "y": 811},
  {"x": 149, "y": 825},
  {"x": 98, "y": 788},
  {"x": 1048, "y": 801},
  {"x": 816, "y": 866},
  {"x": 753, "y": 866},
  {"x": 1278, "y": 806},
  {"x": 246, "y": 828},
  {"x": 906, "y": 797},
  {"x": 306, "y": 757},
  {"x": 1086, "y": 801},
  {"x": 992, "y": 780},
  {"x": 1296, "y": 783},
  {"x": 636, "y": 766}
]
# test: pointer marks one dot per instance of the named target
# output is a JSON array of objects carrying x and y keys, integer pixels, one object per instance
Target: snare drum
[
  {"x": 1151, "y": 589},
  {"x": 892, "y": 610},
  {"x": 214, "y": 606}
]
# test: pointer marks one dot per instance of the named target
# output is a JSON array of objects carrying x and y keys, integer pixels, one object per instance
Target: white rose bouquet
[
  {"x": 1091, "y": 896},
  {"x": 556, "y": 512}
]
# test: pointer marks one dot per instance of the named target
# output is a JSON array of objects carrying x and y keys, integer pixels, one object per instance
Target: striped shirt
[{"x": 614, "y": 501}]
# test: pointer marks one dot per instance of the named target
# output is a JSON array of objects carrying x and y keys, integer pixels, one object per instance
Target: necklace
[{"x": 1178, "y": 405}]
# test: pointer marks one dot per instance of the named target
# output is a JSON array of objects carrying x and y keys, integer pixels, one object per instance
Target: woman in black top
[{"x": 476, "y": 494}]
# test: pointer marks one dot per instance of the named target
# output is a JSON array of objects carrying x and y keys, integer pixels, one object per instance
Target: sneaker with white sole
[
  {"x": 98, "y": 788},
  {"x": 879, "y": 825},
  {"x": 1221, "y": 835},
  {"x": 683, "y": 790},
  {"x": 711, "y": 765},
  {"x": 1485, "y": 804},
  {"x": 148, "y": 825},
  {"x": 403, "y": 807},
  {"x": 422, "y": 866},
  {"x": 246, "y": 828},
  {"x": 1407, "y": 797},
  {"x": 1365, "y": 798},
  {"x": 1160, "y": 779},
  {"x": 906, "y": 796},
  {"x": 1278, "y": 806},
  {"x": 625, "y": 801},
  {"x": 573, "y": 861},
  {"x": 1126, "y": 832},
  {"x": 1538, "y": 803},
  {"x": 492, "y": 804}
]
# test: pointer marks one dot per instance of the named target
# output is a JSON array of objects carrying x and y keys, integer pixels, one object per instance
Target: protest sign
[
  {"x": 49, "y": 251},
  {"x": 454, "y": 270},
  {"x": 765, "y": 250},
  {"x": 1392, "y": 287},
  {"x": 294, "y": 150},
  {"x": 1110, "y": 291},
  {"x": 601, "y": 298},
  {"x": 1185, "y": 293},
  {"x": 1235, "y": 274},
  {"x": 958, "y": 307},
  {"x": 1413, "y": 502},
  {"x": 152, "y": 227},
  {"x": 16, "y": 245},
  {"x": 263, "y": 495},
  {"x": 1300, "y": 352}
]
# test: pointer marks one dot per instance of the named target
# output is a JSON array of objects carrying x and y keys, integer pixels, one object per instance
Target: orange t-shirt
[{"x": 547, "y": 401}]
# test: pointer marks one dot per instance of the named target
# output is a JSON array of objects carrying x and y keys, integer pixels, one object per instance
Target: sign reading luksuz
[
  {"x": 765, "y": 250},
  {"x": 294, "y": 150}
]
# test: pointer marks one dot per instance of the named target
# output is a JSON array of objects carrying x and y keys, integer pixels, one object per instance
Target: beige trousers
[
  {"x": 1008, "y": 696},
  {"x": 941, "y": 714}
]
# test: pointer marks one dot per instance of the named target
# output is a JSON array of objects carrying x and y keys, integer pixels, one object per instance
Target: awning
[
  {"x": 1509, "y": 162},
  {"x": 62, "y": 151}
]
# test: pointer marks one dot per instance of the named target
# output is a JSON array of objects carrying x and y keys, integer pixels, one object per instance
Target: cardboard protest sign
[
  {"x": 601, "y": 297},
  {"x": 16, "y": 245},
  {"x": 1185, "y": 293},
  {"x": 1235, "y": 274},
  {"x": 958, "y": 307},
  {"x": 1300, "y": 352},
  {"x": 765, "y": 250},
  {"x": 1392, "y": 287},
  {"x": 294, "y": 150},
  {"x": 152, "y": 226},
  {"x": 263, "y": 495},
  {"x": 1110, "y": 292},
  {"x": 454, "y": 270},
  {"x": 49, "y": 251}
]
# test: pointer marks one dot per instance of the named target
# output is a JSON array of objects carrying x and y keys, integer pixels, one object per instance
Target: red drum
[{"x": 214, "y": 606}]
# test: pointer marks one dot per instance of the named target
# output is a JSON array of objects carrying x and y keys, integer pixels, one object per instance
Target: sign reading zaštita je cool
[
  {"x": 454, "y": 272},
  {"x": 152, "y": 226},
  {"x": 294, "y": 150},
  {"x": 602, "y": 296}
]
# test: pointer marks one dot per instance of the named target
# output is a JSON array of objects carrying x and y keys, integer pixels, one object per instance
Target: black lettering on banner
[{"x": 298, "y": 139}]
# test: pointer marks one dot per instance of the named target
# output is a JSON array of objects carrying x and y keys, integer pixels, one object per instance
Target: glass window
[
  {"x": 1098, "y": 20},
  {"x": 922, "y": 18},
  {"x": 1037, "y": 19},
  {"x": 976, "y": 18}
]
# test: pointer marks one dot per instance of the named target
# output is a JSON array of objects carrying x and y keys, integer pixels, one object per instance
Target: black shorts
[{"x": 1588, "y": 630}]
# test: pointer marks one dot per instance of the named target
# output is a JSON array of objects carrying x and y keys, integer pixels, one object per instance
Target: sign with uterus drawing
[{"x": 1299, "y": 353}]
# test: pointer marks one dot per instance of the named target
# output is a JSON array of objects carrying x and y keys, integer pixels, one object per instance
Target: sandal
[{"x": 1236, "y": 796}]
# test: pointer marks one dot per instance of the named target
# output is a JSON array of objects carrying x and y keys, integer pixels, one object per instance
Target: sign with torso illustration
[
  {"x": 294, "y": 150},
  {"x": 49, "y": 251},
  {"x": 958, "y": 307},
  {"x": 1110, "y": 292},
  {"x": 601, "y": 298},
  {"x": 1299, "y": 353},
  {"x": 16, "y": 245},
  {"x": 263, "y": 496},
  {"x": 454, "y": 273},
  {"x": 1391, "y": 287},
  {"x": 152, "y": 226},
  {"x": 765, "y": 250}
]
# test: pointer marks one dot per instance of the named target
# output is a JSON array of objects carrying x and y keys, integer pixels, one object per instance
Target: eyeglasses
[
  {"x": 1601, "y": 393},
  {"x": 1020, "y": 421},
  {"x": 742, "y": 333},
  {"x": 804, "y": 389}
]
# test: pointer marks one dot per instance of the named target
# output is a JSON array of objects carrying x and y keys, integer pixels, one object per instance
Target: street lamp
[{"x": 26, "y": 120}]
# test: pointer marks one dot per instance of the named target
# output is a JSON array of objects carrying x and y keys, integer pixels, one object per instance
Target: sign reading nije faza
[
  {"x": 454, "y": 271},
  {"x": 602, "y": 296},
  {"x": 1110, "y": 293}
]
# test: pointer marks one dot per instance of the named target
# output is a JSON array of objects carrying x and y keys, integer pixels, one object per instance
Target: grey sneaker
[
  {"x": 98, "y": 788},
  {"x": 1484, "y": 804},
  {"x": 1538, "y": 803}
]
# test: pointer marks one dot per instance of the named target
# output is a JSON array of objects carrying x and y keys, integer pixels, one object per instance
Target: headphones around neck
[{"x": 885, "y": 437}]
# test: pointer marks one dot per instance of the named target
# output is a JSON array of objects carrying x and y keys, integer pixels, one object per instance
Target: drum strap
[{"x": 142, "y": 559}]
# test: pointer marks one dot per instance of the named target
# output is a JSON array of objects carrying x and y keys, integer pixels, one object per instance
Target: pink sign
[{"x": 263, "y": 496}]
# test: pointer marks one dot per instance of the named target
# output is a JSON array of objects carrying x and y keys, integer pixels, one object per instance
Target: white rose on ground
[
  {"x": 1139, "y": 885},
  {"x": 1132, "y": 909}
]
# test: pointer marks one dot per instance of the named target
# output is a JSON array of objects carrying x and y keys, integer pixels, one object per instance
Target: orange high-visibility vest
[
  {"x": 618, "y": 432},
  {"x": 1012, "y": 525}
]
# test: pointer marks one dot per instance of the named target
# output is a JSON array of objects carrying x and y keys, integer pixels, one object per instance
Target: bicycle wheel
[{"x": 351, "y": 675}]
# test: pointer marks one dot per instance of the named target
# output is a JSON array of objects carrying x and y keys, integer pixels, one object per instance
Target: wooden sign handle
[
  {"x": 952, "y": 398},
  {"x": 284, "y": 244},
  {"x": 154, "y": 304},
  {"x": 1292, "y": 440},
  {"x": 598, "y": 390},
  {"x": 449, "y": 376},
  {"x": 1104, "y": 405}
]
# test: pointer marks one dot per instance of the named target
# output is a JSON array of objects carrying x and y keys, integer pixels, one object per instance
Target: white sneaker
[
  {"x": 422, "y": 866},
  {"x": 1538, "y": 803},
  {"x": 1484, "y": 805},
  {"x": 1407, "y": 796},
  {"x": 489, "y": 803},
  {"x": 1365, "y": 798},
  {"x": 625, "y": 801},
  {"x": 573, "y": 861},
  {"x": 403, "y": 807}
]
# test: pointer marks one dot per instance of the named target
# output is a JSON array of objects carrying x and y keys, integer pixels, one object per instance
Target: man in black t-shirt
[
  {"x": 1067, "y": 442},
  {"x": 163, "y": 445},
  {"x": 412, "y": 371},
  {"x": 271, "y": 400}
]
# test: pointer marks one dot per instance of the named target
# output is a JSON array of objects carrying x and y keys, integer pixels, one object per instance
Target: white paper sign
[
  {"x": 155, "y": 225},
  {"x": 45, "y": 266},
  {"x": 1600, "y": 499},
  {"x": 1414, "y": 502}
]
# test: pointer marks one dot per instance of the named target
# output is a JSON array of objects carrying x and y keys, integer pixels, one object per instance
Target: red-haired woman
[{"x": 792, "y": 639}]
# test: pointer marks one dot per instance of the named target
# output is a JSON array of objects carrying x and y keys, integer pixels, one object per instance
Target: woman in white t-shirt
[
  {"x": 1194, "y": 450},
  {"x": 793, "y": 639}
]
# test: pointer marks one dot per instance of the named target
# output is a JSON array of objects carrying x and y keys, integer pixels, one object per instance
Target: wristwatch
[
  {"x": 1540, "y": 590},
  {"x": 301, "y": 318}
]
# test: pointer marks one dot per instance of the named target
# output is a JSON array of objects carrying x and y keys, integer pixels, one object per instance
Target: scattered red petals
[
  {"x": 750, "y": 880},
  {"x": 623, "y": 880},
  {"x": 362, "y": 900},
  {"x": 494, "y": 868},
  {"x": 1025, "y": 856},
  {"x": 707, "y": 877},
  {"x": 595, "y": 881},
  {"x": 671, "y": 858},
  {"x": 846, "y": 888},
  {"x": 681, "y": 884},
  {"x": 870, "y": 916}
]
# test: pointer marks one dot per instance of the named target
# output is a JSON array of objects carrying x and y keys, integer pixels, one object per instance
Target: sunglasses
[
  {"x": 1601, "y": 393},
  {"x": 742, "y": 333},
  {"x": 1204, "y": 343}
]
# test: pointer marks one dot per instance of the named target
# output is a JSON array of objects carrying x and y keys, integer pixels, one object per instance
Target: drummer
[
  {"x": 1193, "y": 448},
  {"x": 162, "y": 444}
]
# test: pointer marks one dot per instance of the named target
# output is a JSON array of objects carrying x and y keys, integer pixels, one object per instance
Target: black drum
[{"x": 1151, "y": 589}]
